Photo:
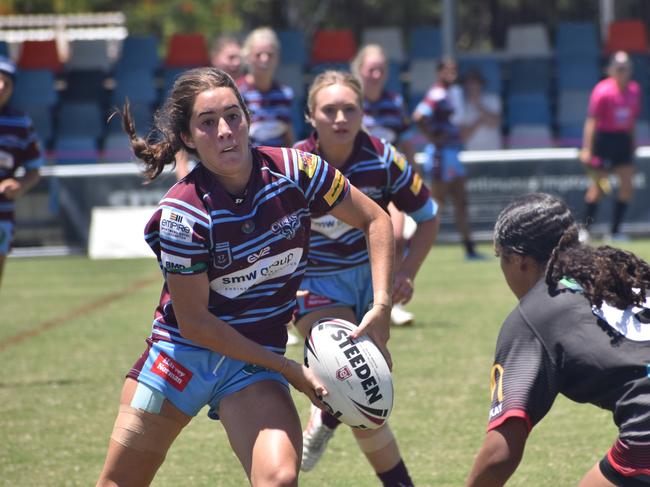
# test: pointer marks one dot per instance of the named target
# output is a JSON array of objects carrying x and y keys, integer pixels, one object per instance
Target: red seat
[
  {"x": 627, "y": 35},
  {"x": 186, "y": 51},
  {"x": 40, "y": 55},
  {"x": 333, "y": 46}
]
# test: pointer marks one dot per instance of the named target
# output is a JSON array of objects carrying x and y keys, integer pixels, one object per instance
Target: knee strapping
[
  {"x": 380, "y": 439},
  {"x": 143, "y": 431}
]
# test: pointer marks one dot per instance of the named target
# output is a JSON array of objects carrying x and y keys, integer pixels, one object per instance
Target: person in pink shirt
[{"x": 608, "y": 141}]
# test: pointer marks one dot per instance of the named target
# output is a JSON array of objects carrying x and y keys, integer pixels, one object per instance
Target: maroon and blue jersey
[
  {"x": 270, "y": 112},
  {"x": 254, "y": 249},
  {"x": 385, "y": 118},
  {"x": 440, "y": 110},
  {"x": 19, "y": 147},
  {"x": 379, "y": 171}
]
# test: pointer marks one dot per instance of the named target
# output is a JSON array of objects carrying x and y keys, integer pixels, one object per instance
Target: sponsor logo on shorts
[
  {"x": 335, "y": 189},
  {"x": 170, "y": 370},
  {"x": 287, "y": 226},
  {"x": 221, "y": 256},
  {"x": 272, "y": 267},
  {"x": 316, "y": 301}
]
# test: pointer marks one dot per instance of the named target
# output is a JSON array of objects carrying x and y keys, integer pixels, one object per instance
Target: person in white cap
[{"x": 19, "y": 147}]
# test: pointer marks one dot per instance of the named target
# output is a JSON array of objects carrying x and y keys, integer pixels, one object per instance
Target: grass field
[{"x": 70, "y": 328}]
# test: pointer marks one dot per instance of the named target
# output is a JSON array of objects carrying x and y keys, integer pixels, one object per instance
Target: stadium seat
[
  {"x": 627, "y": 35},
  {"x": 529, "y": 75},
  {"x": 4, "y": 49},
  {"x": 390, "y": 40},
  {"x": 292, "y": 47},
  {"x": 42, "y": 119},
  {"x": 576, "y": 73},
  {"x": 117, "y": 148},
  {"x": 488, "y": 66},
  {"x": 136, "y": 84},
  {"x": 530, "y": 136},
  {"x": 572, "y": 106},
  {"x": 570, "y": 134},
  {"x": 577, "y": 40},
  {"x": 421, "y": 75},
  {"x": 187, "y": 51},
  {"x": 394, "y": 80},
  {"x": 643, "y": 132},
  {"x": 528, "y": 109},
  {"x": 75, "y": 150},
  {"x": 333, "y": 46},
  {"x": 301, "y": 128},
  {"x": 169, "y": 75},
  {"x": 40, "y": 55},
  {"x": 80, "y": 119},
  {"x": 87, "y": 55},
  {"x": 529, "y": 40},
  {"x": 425, "y": 43},
  {"x": 142, "y": 115},
  {"x": 86, "y": 85},
  {"x": 35, "y": 87},
  {"x": 292, "y": 75},
  {"x": 139, "y": 52},
  {"x": 316, "y": 69}
]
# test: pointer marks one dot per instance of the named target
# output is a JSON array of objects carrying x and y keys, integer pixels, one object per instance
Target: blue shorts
[
  {"x": 191, "y": 377},
  {"x": 352, "y": 288},
  {"x": 6, "y": 236},
  {"x": 445, "y": 168}
]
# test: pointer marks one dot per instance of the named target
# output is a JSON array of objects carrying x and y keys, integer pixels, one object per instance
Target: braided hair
[
  {"x": 541, "y": 226},
  {"x": 160, "y": 145}
]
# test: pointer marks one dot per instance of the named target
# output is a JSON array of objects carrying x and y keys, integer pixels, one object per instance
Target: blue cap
[{"x": 8, "y": 67}]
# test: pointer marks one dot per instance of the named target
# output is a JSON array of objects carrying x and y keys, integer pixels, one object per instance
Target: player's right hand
[{"x": 304, "y": 380}]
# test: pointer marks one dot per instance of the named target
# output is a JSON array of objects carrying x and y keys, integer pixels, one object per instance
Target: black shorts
[
  {"x": 617, "y": 478},
  {"x": 613, "y": 148}
]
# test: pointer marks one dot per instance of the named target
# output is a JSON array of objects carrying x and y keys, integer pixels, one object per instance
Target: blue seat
[
  {"x": 394, "y": 80},
  {"x": 576, "y": 74},
  {"x": 4, "y": 49},
  {"x": 89, "y": 54},
  {"x": 489, "y": 67},
  {"x": 292, "y": 47},
  {"x": 42, "y": 119},
  {"x": 138, "y": 85},
  {"x": 142, "y": 115},
  {"x": 139, "y": 51},
  {"x": 572, "y": 106},
  {"x": 117, "y": 148},
  {"x": 292, "y": 75},
  {"x": 85, "y": 85},
  {"x": 528, "y": 109},
  {"x": 301, "y": 128},
  {"x": 570, "y": 134},
  {"x": 530, "y": 75},
  {"x": 577, "y": 40},
  {"x": 169, "y": 75},
  {"x": 80, "y": 119},
  {"x": 425, "y": 43},
  {"x": 34, "y": 87},
  {"x": 75, "y": 150}
]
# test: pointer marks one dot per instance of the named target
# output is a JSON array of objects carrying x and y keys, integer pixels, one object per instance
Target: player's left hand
[{"x": 376, "y": 324}]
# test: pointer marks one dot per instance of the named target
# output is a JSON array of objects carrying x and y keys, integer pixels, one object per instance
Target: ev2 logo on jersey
[{"x": 257, "y": 255}]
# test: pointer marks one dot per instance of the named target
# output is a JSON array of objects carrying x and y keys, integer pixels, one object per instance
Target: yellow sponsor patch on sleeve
[
  {"x": 400, "y": 161},
  {"x": 307, "y": 163},
  {"x": 416, "y": 185},
  {"x": 335, "y": 189}
]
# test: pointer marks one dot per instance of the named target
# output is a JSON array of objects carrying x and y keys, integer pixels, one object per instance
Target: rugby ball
[{"x": 354, "y": 372}]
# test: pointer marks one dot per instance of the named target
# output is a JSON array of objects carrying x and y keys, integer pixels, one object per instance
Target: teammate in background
[
  {"x": 337, "y": 279},
  {"x": 225, "y": 55},
  {"x": 480, "y": 119},
  {"x": 231, "y": 239},
  {"x": 384, "y": 117},
  {"x": 437, "y": 116},
  {"x": 581, "y": 328},
  {"x": 608, "y": 142},
  {"x": 19, "y": 147},
  {"x": 269, "y": 101}
]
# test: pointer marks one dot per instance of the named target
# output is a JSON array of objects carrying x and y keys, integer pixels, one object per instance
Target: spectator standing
[
  {"x": 480, "y": 117},
  {"x": 608, "y": 141},
  {"x": 19, "y": 147},
  {"x": 437, "y": 116}
]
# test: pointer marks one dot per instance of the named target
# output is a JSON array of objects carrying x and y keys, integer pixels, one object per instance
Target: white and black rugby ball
[{"x": 355, "y": 374}]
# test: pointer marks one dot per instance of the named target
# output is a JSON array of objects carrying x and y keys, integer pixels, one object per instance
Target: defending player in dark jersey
[
  {"x": 19, "y": 147},
  {"x": 337, "y": 281},
  {"x": 231, "y": 240},
  {"x": 581, "y": 329}
]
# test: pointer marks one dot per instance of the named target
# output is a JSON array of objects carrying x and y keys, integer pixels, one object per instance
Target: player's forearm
[
  {"x": 381, "y": 248},
  {"x": 28, "y": 181}
]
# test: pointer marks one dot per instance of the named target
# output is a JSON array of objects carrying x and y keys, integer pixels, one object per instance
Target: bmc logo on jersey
[
  {"x": 287, "y": 226},
  {"x": 257, "y": 255}
]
